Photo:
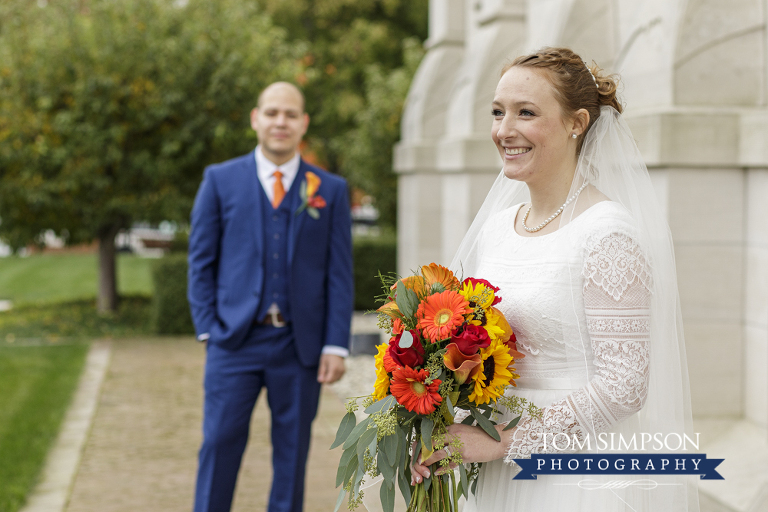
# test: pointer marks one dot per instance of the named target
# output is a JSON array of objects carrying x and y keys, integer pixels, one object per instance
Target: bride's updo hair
[{"x": 571, "y": 80}]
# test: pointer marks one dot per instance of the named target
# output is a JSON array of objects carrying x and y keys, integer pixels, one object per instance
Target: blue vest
[{"x": 277, "y": 228}]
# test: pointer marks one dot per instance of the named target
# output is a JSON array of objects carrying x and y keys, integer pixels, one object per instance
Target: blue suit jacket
[{"x": 225, "y": 259}]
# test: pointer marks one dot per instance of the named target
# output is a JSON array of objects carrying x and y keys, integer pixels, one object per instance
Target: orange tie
[{"x": 279, "y": 191}]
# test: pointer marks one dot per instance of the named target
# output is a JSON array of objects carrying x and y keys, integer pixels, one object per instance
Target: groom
[{"x": 270, "y": 289}]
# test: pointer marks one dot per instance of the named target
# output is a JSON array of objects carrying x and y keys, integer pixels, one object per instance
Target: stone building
[{"x": 695, "y": 76}]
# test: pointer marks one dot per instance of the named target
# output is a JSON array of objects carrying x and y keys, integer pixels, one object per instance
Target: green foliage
[
  {"x": 170, "y": 309},
  {"x": 367, "y": 150},
  {"x": 361, "y": 56},
  {"x": 109, "y": 113},
  {"x": 37, "y": 383},
  {"x": 372, "y": 255},
  {"x": 75, "y": 319},
  {"x": 65, "y": 277}
]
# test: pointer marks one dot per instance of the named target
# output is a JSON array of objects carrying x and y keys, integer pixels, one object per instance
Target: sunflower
[
  {"x": 381, "y": 386},
  {"x": 496, "y": 325},
  {"x": 412, "y": 392},
  {"x": 440, "y": 314},
  {"x": 489, "y": 383},
  {"x": 479, "y": 292},
  {"x": 435, "y": 274}
]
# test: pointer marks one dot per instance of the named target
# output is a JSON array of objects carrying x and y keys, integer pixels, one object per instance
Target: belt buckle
[{"x": 276, "y": 322}]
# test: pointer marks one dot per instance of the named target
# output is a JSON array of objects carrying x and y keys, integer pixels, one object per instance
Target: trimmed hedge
[
  {"x": 170, "y": 309},
  {"x": 371, "y": 256}
]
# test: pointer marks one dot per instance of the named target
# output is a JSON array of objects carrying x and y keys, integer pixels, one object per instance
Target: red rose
[
  {"x": 316, "y": 202},
  {"x": 412, "y": 356},
  {"x": 474, "y": 281},
  {"x": 472, "y": 339}
]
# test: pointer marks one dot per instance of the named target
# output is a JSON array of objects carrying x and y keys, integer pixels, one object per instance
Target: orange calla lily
[
  {"x": 313, "y": 183},
  {"x": 390, "y": 309},
  {"x": 464, "y": 367}
]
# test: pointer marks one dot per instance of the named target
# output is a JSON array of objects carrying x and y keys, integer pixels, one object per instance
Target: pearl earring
[{"x": 573, "y": 135}]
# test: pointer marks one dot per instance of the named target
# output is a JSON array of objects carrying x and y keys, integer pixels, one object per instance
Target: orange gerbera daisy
[
  {"x": 409, "y": 388},
  {"x": 441, "y": 313},
  {"x": 438, "y": 274}
]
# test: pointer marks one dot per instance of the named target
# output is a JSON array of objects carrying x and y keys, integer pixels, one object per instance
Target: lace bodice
[{"x": 578, "y": 302}]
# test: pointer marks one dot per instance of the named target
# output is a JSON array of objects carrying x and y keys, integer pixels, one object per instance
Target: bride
[{"x": 573, "y": 235}]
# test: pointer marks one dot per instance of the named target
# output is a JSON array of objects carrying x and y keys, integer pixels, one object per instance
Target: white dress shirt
[{"x": 266, "y": 169}]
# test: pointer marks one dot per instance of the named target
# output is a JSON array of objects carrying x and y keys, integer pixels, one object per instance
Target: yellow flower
[
  {"x": 479, "y": 293},
  {"x": 489, "y": 383},
  {"x": 496, "y": 325},
  {"x": 381, "y": 386}
]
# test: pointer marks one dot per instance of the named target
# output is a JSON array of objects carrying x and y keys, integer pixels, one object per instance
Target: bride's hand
[{"x": 477, "y": 446}]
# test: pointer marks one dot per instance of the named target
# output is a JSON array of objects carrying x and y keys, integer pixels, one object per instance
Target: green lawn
[
  {"x": 63, "y": 277},
  {"x": 37, "y": 383}
]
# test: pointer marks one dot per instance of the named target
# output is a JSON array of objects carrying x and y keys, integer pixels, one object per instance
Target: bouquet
[{"x": 450, "y": 350}]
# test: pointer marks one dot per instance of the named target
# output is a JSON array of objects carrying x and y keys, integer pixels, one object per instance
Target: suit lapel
[
  {"x": 296, "y": 220},
  {"x": 258, "y": 195}
]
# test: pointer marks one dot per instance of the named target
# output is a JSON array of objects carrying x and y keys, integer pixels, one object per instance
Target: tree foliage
[
  {"x": 360, "y": 59},
  {"x": 110, "y": 110}
]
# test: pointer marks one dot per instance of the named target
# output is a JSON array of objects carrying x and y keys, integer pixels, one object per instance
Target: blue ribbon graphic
[{"x": 636, "y": 464}]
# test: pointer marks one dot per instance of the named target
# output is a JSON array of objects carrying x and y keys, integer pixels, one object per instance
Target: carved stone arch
[
  {"x": 590, "y": 30},
  {"x": 720, "y": 56}
]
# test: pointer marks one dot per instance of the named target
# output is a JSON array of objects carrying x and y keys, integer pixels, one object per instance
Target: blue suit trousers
[{"x": 233, "y": 381}]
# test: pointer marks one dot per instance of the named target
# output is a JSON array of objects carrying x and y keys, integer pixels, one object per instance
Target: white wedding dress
[{"x": 588, "y": 373}]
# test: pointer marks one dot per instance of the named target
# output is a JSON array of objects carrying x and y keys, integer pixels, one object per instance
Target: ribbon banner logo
[{"x": 639, "y": 464}]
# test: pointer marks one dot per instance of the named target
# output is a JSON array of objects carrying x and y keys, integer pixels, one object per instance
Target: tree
[
  {"x": 360, "y": 58},
  {"x": 110, "y": 110}
]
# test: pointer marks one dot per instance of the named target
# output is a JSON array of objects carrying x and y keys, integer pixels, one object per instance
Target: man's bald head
[
  {"x": 280, "y": 121},
  {"x": 281, "y": 89}
]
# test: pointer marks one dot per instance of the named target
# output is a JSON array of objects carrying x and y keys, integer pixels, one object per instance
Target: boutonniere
[{"x": 310, "y": 199}]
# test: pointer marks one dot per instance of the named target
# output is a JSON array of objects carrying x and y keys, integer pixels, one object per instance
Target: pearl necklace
[{"x": 554, "y": 215}]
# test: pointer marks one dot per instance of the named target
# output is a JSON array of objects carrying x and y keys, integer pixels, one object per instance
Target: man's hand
[{"x": 331, "y": 368}]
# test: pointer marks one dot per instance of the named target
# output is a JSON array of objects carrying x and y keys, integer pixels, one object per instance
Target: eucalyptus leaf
[
  {"x": 340, "y": 499},
  {"x": 449, "y": 405},
  {"x": 402, "y": 300},
  {"x": 387, "y": 495},
  {"x": 356, "y": 432},
  {"x": 404, "y": 484},
  {"x": 463, "y": 477},
  {"x": 512, "y": 424},
  {"x": 383, "y": 404},
  {"x": 313, "y": 213},
  {"x": 385, "y": 468},
  {"x": 348, "y": 458},
  {"x": 427, "y": 425},
  {"x": 486, "y": 424},
  {"x": 364, "y": 442},
  {"x": 345, "y": 427},
  {"x": 389, "y": 446},
  {"x": 406, "y": 340},
  {"x": 468, "y": 420}
]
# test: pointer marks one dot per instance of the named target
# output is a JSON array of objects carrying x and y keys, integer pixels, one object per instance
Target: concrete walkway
[{"x": 140, "y": 452}]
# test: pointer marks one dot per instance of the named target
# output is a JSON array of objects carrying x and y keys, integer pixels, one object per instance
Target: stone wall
[{"x": 695, "y": 84}]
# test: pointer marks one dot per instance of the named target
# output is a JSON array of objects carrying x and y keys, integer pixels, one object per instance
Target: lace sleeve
[{"x": 616, "y": 298}]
